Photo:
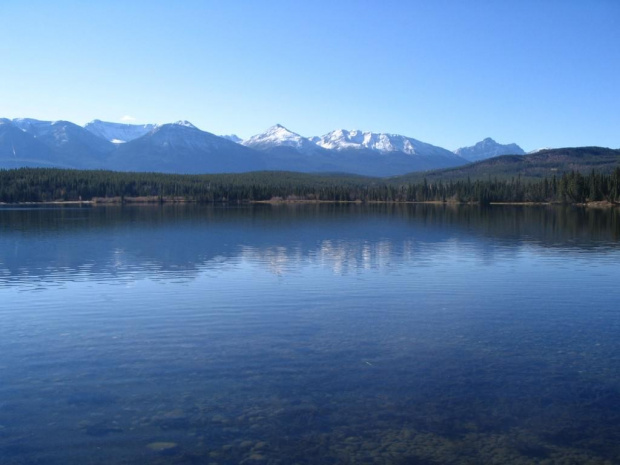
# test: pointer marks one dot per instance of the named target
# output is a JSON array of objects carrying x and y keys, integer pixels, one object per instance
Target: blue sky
[{"x": 538, "y": 73}]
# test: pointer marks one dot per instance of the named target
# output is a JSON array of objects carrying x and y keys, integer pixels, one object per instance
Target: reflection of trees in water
[{"x": 180, "y": 241}]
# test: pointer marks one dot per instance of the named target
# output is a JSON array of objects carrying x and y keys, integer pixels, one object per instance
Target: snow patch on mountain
[
  {"x": 115, "y": 132},
  {"x": 539, "y": 150},
  {"x": 34, "y": 126},
  {"x": 233, "y": 138}
]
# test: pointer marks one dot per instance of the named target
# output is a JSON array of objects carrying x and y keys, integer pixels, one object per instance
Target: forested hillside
[
  {"x": 535, "y": 166},
  {"x": 45, "y": 185}
]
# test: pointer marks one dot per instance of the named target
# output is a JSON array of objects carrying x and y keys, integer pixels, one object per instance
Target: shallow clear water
[{"x": 311, "y": 334}]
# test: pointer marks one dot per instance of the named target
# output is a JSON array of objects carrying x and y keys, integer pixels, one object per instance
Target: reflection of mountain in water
[
  {"x": 179, "y": 241},
  {"x": 340, "y": 256}
]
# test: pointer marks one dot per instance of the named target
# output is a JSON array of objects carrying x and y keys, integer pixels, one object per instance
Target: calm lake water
[{"x": 311, "y": 334}]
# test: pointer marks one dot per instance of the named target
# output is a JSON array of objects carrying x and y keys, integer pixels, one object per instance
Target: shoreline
[{"x": 161, "y": 201}]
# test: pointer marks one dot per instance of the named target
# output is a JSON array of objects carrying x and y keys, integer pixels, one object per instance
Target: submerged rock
[
  {"x": 163, "y": 447},
  {"x": 100, "y": 428}
]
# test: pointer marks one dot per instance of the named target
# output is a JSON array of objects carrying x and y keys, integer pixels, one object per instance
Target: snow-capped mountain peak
[
  {"x": 342, "y": 139},
  {"x": 185, "y": 123},
  {"x": 276, "y": 134},
  {"x": 279, "y": 136}
]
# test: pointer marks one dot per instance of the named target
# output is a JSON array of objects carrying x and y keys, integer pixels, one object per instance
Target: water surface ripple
[{"x": 309, "y": 334}]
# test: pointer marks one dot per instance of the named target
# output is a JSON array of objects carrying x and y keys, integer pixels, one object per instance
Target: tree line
[{"x": 50, "y": 184}]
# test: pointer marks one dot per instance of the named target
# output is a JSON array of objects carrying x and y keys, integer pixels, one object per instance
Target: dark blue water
[{"x": 309, "y": 335}]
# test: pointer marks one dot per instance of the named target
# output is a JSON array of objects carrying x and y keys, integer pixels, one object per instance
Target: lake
[{"x": 309, "y": 334}]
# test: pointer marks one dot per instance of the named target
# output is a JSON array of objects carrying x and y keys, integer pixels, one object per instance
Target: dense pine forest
[{"x": 47, "y": 185}]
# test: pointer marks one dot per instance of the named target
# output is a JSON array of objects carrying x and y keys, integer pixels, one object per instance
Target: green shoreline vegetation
[{"x": 51, "y": 185}]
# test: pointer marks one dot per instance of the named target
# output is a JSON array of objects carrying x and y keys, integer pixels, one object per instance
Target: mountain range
[{"x": 181, "y": 147}]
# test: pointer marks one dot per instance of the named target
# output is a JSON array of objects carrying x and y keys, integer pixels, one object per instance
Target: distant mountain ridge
[
  {"x": 367, "y": 153},
  {"x": 488, "y": 148},
  {"x": 50, "y": 144},
  {"x": 183, "y": 148},
  {"x": 20, "y": 149}
]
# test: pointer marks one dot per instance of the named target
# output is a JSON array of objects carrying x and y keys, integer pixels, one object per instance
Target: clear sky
[{"x": 538, "y": 73}]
